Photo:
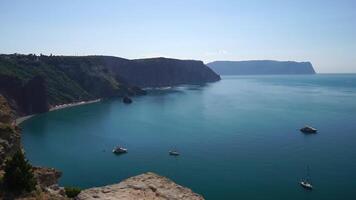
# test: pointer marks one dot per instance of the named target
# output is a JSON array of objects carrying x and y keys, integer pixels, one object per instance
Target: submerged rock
[{"x": 146, "y": 186}]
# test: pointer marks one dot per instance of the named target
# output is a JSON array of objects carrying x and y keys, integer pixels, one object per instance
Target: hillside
[
  {"x": 32, "y": 84},
  {"x": 261, "y": 67}
]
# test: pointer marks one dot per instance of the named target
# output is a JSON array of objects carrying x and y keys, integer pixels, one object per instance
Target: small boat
[
  {"x": 174, "y": 153},
  {"x": 306, "y": 183},
  {"x": 308, "y": 129},
  {"x": 119, "y": 150}
]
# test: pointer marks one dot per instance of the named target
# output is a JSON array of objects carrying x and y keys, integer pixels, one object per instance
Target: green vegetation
[
  {"x": 72, "y": 192},
  {"x": 68, "y": 78},
  {"x": 18, "y": 176}
]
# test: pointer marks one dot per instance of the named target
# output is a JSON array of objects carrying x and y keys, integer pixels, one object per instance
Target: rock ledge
[{"x": 145, "y": 186}]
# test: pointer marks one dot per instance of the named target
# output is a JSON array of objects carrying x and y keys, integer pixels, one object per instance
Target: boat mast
[{"x": 308, "y": 174}]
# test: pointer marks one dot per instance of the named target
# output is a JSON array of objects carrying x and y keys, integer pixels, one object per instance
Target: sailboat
[{"x": 306, "y": 182}]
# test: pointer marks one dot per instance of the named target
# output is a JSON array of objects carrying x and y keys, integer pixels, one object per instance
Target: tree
[{"x": 18, "y": 174}]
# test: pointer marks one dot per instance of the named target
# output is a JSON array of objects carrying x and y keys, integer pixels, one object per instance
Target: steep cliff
[
  {"x": 9, "y": 136},
  {"x": 158, "y": 72},
  {"x": 261, "y": 67}
]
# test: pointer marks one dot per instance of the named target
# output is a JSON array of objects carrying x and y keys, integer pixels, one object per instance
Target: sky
[{"x": 320, "y": 31}]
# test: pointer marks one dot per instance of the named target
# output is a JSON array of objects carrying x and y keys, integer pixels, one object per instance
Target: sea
[{"x": 238, "y": 138}]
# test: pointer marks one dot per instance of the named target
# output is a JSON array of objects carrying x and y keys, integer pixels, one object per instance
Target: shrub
[
  {"x": 18, "y": 174},
  {"x": 72, "y": 192}
]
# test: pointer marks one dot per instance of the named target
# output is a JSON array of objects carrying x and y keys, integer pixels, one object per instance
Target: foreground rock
[{"x": 145, "y": 186}]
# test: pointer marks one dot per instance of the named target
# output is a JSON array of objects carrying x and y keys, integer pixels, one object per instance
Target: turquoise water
[{"x": 238, "y": 138}]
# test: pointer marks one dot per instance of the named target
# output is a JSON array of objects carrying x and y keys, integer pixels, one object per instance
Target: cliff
[
  {"x": 9, "y": 136},
  {"x": 33, "y": 84},
  {"x": 148, "y": 186},
  {"x": 261, "y": 67},
  {"x": 158, "y": 72}
]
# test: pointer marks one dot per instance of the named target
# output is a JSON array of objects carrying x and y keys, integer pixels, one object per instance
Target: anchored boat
[
  {"x": 306, "y": 182},
  {"x": 306, "y": 185},
  {"x": 308, "y": 129},
  {"x": 119, "y": 150},
  {"x": 174, "y": 153}
]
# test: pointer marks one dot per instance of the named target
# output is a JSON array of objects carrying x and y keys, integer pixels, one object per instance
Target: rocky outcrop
[
  {"x": 46, "y": 176},
  {"x": 10, "y": 140},
  {"x": 6, "y": 113},
  {"x": 148, "y": 186},
  {"x": 126, "y": 100},
  {"x": 261, "y": 67}
]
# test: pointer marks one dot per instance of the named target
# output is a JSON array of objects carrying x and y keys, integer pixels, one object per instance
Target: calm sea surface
[{"x": 238, "y": 138}]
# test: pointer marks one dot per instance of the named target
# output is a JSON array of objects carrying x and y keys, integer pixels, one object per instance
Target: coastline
[{"x": 19, "y": 120}]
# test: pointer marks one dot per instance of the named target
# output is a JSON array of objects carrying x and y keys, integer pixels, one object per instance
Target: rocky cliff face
[
  {"x": 148, "y": 186},
  {"x": 158, "y": 72},
  {"x": 261, "y": 67},
  {"x": 25, "y": 97},
  {"x": 9, "y": 136}
]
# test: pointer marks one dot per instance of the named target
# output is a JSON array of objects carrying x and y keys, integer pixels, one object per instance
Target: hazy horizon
[{"x": 321, "y": 32}]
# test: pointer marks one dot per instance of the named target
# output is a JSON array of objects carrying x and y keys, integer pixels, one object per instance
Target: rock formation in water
[
  {"x": 261, "y": 67},
  {"x": 148, "y": 186},
  {"x": 127, "y": 100},
  {"x": 33, "y": 84}
]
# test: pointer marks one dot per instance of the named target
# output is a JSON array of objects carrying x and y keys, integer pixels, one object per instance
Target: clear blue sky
[{"x": 320, "y": 31}]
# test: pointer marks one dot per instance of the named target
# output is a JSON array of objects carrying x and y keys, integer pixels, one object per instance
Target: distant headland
[{"x": 261, "y": 67}]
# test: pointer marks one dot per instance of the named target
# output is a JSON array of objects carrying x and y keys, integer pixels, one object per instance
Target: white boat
[
  {"x": 119, "y": 150},
  {"x": 174, "y": 153},
  {"x": 306, "y": 183}
]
